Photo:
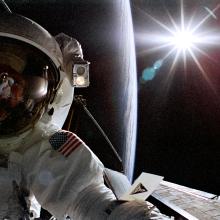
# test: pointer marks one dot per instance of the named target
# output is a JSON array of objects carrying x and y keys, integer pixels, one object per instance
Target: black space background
[
  {"x": 179, "y": 126},
  {"x": 179, "y": 121}
]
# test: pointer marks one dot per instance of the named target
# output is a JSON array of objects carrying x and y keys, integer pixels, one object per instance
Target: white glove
[{"x": 134, "y": 210}]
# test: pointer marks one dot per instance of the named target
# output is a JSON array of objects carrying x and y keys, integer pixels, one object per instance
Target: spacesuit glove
[{"x": 134, "y": 210}]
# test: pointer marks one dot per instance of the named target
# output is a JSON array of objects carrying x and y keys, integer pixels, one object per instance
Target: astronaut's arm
[
  {"x": 65, "y": 180},
  {"x": 68, "y": 181}
]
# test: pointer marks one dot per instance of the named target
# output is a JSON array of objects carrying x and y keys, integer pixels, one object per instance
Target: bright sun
[{"x": 184, "y": 39}]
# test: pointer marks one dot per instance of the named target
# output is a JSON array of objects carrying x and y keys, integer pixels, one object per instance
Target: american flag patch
[{"x": 65, "y": 142}]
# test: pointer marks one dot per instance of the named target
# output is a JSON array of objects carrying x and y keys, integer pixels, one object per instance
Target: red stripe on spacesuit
[
  {"x": 68, "y": 145},
  {"x": 71, "y": 144},
  {"x": 72, "y": 148}
]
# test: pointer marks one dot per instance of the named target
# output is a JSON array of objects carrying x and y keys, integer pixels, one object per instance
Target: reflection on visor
[
  {"x": 6, "y": 82},
  {"x": 11, "y": 91},
  {"x": 27, "y": 81}
]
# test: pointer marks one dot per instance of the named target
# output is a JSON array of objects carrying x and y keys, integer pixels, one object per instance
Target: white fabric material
[
  {"x": 70, "y": 186},
  {"x": 58, "y": 183},
  {"x": 119, "y": 182},
  {"x": 69, "y": 47},
  {"x": 8, "y": 203},
  {"x": 136, "y": 210},
  {"x": 61, "y": 104}
]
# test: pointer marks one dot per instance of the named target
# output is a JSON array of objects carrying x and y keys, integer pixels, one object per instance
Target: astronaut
[{"x": 42, "y": 165}]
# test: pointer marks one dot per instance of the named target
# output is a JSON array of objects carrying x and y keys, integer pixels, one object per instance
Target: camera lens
[{"x": 81, "y": 70}]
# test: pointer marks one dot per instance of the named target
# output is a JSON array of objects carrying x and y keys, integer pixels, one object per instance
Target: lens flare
[{"x": 187, "y": 38}]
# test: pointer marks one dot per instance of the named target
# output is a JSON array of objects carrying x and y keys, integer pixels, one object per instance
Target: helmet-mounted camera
[{"x": 80, "y": 71}]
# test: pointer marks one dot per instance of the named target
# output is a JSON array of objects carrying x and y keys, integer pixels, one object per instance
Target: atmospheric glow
[{"x": 184, "y": 38}]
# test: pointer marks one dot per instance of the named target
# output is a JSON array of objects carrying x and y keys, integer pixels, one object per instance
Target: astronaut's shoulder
[{"x": 65, "y": 142}]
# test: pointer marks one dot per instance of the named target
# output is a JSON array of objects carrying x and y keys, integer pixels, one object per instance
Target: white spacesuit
[{"x": 40, "y": 164}]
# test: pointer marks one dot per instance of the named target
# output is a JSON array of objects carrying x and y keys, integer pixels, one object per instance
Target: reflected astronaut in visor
[
  {"x": 24, "y": 86},
  {"x": 41, "y": 164},
  {"x": 11, "y": 94}
]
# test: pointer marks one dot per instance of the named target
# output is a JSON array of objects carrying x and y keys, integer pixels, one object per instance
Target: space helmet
[{"x": 30, "y": 73}]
